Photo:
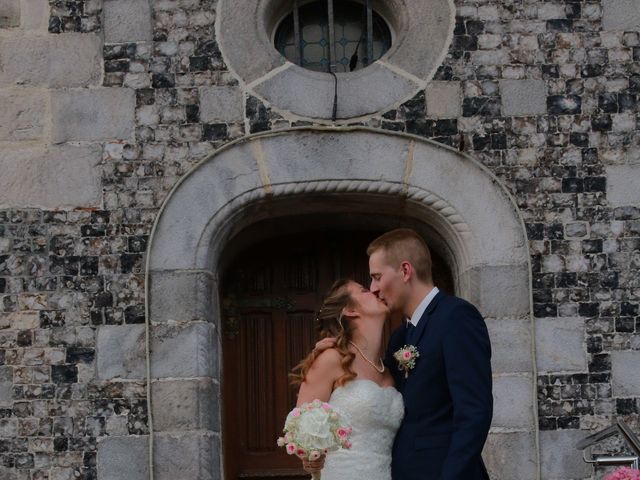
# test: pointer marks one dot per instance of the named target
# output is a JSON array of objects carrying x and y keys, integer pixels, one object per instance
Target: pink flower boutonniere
[{"x": 406, "y": 358}]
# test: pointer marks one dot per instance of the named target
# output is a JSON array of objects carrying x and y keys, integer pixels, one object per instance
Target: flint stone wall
[{"x": 544, "y": 94}]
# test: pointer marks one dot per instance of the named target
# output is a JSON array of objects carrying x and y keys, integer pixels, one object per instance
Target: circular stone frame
[{"x": 422, "y": 35}]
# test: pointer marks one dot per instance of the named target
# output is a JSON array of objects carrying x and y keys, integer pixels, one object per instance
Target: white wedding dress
[{"x": 375, "y": 413}]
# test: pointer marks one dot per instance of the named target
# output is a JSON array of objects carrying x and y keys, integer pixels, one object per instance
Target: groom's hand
[
  {"x": 325, "y": 343},
  {"x": 313, "y": 466}
]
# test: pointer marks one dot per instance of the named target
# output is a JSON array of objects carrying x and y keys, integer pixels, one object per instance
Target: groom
[{"x": 447, "y": 394}]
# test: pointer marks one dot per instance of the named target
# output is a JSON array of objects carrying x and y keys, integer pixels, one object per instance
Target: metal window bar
[
  {"x": 296, "y": 32},
  {"x": 332, "y": 37},
  {"x": 369, "y": 58}
]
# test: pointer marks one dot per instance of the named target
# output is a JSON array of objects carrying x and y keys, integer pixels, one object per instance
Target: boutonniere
[{"x": 406, "y": 358}]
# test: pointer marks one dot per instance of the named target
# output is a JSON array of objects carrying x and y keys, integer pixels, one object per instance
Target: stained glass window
[{"x": 317, "y": 23}]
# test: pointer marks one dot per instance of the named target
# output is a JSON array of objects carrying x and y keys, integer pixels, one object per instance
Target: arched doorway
[
  {"x": 270, "y": 293},
  {"x": 363, "y": 174}
]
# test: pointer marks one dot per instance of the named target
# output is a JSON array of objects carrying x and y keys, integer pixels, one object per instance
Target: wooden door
[{"x": 270, "y": 296}]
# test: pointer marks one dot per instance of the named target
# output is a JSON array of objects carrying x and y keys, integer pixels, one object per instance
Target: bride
[{"x": 352, "y": 377}]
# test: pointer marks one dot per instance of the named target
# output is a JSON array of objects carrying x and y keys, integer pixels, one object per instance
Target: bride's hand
[
  {"x": 313, "y": 466},
  {"x": 323, "y": 344}
]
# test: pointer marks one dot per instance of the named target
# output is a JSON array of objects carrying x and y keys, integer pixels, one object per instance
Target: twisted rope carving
[
  {"x": 375, "y": 187},
  {"x": 338, "y": 186}
]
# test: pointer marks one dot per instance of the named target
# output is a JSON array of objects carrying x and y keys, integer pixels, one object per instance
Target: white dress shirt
[{"x": 417, "y": 314}]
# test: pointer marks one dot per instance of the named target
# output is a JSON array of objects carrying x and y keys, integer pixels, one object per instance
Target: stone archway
[{"x": 310, "y": 170}]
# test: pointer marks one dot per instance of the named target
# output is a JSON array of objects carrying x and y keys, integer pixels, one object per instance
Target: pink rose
[
  {"x": 291, "y": 448},
  {"x": 301, "y": 453},
  {"x": 624, "y": 473},
  {"x": 326, "y": 406},
  {"x": 347, "y": 445},
  {"x": 342, "y": 432},
  {"x": 295, "y": 412},
  {"x": 406, "y": 355}
]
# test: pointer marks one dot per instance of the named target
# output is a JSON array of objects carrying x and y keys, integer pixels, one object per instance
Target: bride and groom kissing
[{"x": 421, "y": 420}]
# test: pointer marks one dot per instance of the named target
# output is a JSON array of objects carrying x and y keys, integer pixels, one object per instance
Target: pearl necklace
[{"x": 379, "y": 370}]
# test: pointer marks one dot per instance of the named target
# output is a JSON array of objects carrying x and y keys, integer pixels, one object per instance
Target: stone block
[
  {"x": 625, "y": 373},
  {"x": 322, "y": 157},
  {"x": 500, "y": 292},
  {"x": 622, "y": 185},
  {"x": 121, "y": 351},
  {"x": 24, "y": 320},
  {"x": 8, "y": 474},
  {"x": 194, "y": 289},
  {"x": 35, "y": 15},
  {"x": 523, "y": 97},
  {"x": 235, "y": 30},
  {"x": 576, "y": 230},
  {"x": 93, "y": 114},
  {"x": 62, "y": 473},
  {"x": 560, "y": 345},
  {"x": 555, "y": 461},
  {"x": 221, "y": 104},
  {"x": 621, "y": 15},
  {"x": 185, "y": 405},
  {"x": 23, "y": 114},
  {"x": 123, "y": 457},
  {"x": 56, "y": 61},
  {"x": 127, "y": 21},
  {"x": 6, "y": 374},
  {"x": 444, "y": 99},
  {"x": 550, "y": 11},
  {"x": 439, "y": 21},
  {"x": 310, "y": 94},
  {"x": 510, "y": 456},
  {"x": 184, "y": 351},
  {"x": 510, "y": 345},
  {"x": 52, "y": 177},
  {"x": 6, "y": 397},
  {"x": 193, "y": 455},
  {"x": 9, "y": 13},
  {"x": 513, "y": 402}
]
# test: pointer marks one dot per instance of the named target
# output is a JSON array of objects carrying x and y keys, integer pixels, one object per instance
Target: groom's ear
[{"x": 406, "y": 269}]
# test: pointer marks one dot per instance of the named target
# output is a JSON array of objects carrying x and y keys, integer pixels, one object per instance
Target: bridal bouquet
[
  {"x": 315, "y": 429},
  {"x": 624, "y": 473}
]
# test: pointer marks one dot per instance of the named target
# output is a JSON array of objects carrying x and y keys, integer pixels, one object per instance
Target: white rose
[{"x": 314, "y": 430}]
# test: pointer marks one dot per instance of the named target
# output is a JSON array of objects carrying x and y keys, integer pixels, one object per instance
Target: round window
[{"x": 329, "y": 36}]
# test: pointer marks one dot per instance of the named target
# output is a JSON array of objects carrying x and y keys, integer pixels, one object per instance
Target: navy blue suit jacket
[{"x": 447, "y": 396}]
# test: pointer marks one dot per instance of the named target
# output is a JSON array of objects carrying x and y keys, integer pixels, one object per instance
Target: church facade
[{"x": 181, "y": 180}]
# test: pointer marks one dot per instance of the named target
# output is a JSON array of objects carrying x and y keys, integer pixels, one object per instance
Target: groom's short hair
[{"x": 404, "y": 244}]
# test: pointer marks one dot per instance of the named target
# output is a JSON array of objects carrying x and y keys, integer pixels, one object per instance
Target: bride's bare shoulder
[
  {"x": 330, "y": 356},
  {"x": 329, "y": 359}
]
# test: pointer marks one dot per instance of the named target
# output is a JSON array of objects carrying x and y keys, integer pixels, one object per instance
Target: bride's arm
[{"x": 318, "y": 383}]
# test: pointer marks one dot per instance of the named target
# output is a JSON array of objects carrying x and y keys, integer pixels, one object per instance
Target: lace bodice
[{"x": 375, "y": 413}]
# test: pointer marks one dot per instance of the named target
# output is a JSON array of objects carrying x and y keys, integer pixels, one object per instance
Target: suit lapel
[{"x": 422, "y": 324}]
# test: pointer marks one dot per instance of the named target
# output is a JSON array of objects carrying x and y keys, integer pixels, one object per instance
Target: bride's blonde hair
[{"x": 332, "y": 323}]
